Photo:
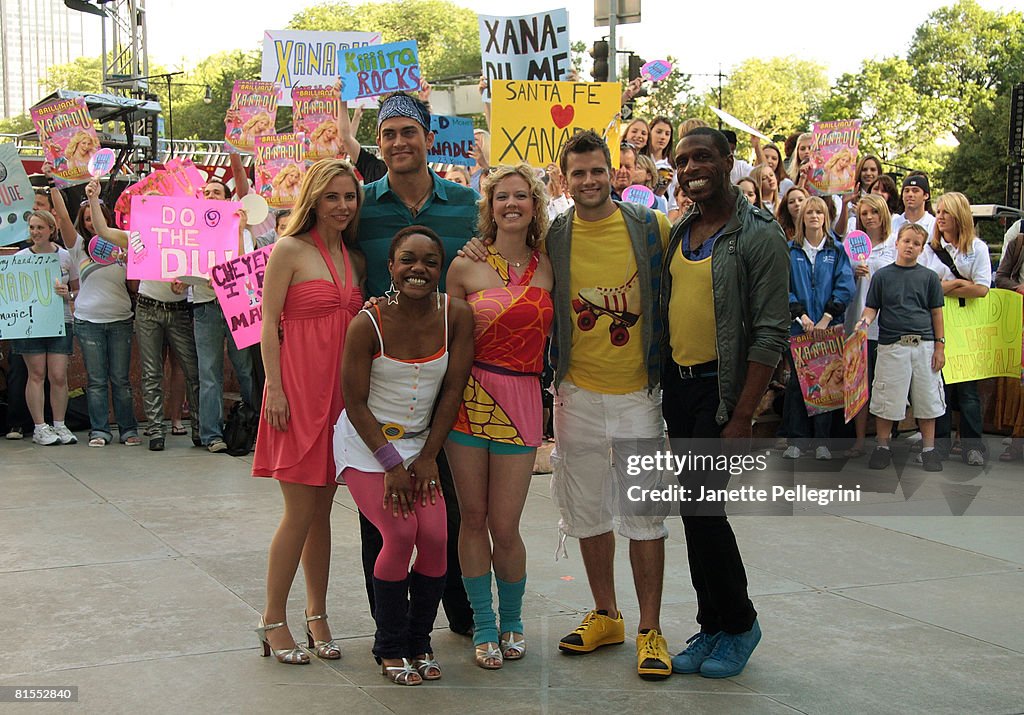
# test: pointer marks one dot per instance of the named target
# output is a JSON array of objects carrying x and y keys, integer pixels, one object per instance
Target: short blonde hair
[{"x": 487, "y": 229}]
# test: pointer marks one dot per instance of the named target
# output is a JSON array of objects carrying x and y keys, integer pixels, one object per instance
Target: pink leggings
[{"x": 426, "y": 529}]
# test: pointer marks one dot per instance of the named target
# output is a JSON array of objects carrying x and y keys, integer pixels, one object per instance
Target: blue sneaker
[
  {"x": 731, "y": 653},
  {"x": 698, "y": 648}
]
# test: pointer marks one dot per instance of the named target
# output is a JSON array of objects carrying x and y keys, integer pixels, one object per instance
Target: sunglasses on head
[{"x": 86, "y": 203}]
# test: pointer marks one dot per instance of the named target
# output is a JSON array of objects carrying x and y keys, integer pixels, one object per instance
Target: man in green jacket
[{"x": 724, "y": 300}]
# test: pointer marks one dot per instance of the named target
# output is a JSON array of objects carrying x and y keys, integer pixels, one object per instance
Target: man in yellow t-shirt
[{"x": 607, "y": 259}]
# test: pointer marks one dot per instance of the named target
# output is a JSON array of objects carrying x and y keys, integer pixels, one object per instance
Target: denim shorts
[{"x": 57, "y": 345}]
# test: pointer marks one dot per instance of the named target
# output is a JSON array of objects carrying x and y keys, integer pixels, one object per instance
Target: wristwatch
[{"x": 940, "y": 340}]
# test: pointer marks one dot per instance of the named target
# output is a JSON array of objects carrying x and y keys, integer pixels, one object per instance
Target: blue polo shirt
[{"x": 450, "y": 210}]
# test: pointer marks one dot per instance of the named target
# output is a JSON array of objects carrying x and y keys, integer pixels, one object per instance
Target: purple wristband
[{"x": 388, "y": 456}]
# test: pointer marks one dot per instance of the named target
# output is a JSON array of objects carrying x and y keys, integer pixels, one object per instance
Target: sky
[{"x": 870, "y": 29}]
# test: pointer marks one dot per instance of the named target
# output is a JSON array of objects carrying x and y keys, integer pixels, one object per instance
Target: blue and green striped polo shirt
[{"x": 450, "y": 211}]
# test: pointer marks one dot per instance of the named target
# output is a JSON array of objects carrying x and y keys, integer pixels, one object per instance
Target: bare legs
[
  {"x": 304, "y": 533},
  {"x": 492, "y": 492},
  {"x": 41, "y": 366}
]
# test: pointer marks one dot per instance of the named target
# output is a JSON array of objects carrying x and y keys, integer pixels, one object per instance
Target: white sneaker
[
  {"x": 44, "y": 435},
  {"x": 823, "y": 453},
  {"x": 914, "y": 438},
  {"x": 975, "y": 458},
  {"x": 792, "y": 452},
  {"x": 14, "y": 433},
  {"x": 66, "y": 436}
]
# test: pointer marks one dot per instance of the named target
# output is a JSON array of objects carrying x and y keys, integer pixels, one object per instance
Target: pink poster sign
[
  {"x": 175, "y": 236},
  {"x": 280, "y": 167},
  {"x": 252, "y": 113},
  {"x": 857, "y": 245},
  {"x": 315, "y": 114},
  {"x": 238, "y": 284},
  {"x": 68, "y": 137},
  {"x": 855, "y": 374}
]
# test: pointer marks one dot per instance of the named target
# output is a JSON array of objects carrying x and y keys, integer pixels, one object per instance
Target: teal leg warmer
[
  {"x": 478, "y": 589},
  {"x": 510, "y": 604}
]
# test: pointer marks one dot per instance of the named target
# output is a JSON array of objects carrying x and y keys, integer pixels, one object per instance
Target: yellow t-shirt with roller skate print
[{"x": 607, "y": 348}]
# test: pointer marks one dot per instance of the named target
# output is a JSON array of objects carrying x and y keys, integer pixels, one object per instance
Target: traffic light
[
  {"x": 600, "y": 55},
  {"x": 635, "y": 63}
]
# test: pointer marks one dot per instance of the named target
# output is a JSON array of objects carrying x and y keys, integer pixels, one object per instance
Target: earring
[
  {"x": 437, "y": 297},
  {"x": 392, "y": 294}
]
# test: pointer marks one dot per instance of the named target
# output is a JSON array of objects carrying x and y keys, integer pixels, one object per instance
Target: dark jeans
[
  {"x": 803, "y": 430},
  {"x": 17, "y": 408},
  {"x": 456, "y": 604},
  {"x": 962, "y": 396},
  {"x": 716, "y": 566},
  {"x": 107, "y": 352}
]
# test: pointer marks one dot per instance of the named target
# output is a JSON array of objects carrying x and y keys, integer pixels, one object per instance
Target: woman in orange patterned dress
[{"x": 492, "y": 447}]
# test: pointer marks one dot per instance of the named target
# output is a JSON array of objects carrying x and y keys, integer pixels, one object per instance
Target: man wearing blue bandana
[{"x": 411, "y": 193}]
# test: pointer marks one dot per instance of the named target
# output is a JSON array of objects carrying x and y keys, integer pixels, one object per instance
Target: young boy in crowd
[{"x": 907, "y": 300}]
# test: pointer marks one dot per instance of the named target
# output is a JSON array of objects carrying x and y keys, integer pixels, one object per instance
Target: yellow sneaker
[
  {"x": 597, "y": 629},
  {"x": 653, "y": 661}
]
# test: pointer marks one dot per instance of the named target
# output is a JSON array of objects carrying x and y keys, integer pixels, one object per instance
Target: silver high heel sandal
[
  {"x": 290, "y": 656},
  {"x": 328, "y": 650}
]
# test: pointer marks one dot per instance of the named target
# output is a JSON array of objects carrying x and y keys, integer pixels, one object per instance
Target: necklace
[
  {"x": 514, "y": 264},
  {"x": 414, "y": 207}
]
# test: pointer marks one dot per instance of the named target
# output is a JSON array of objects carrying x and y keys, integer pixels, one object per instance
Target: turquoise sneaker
[
  {"x": 731, "y": 653},
  {"x": 698, "y": 648}
]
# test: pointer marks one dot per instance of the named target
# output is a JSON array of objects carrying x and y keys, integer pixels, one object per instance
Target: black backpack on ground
[{"x": 240, "y": 429}]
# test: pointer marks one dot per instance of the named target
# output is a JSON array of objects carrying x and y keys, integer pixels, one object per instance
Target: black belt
[
  {"x": 160, "y": 305},
  {"x": 692, "y": 372}
]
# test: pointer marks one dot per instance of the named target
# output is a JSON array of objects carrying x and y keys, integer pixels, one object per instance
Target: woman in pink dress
[{"x": 310, "y": 293}]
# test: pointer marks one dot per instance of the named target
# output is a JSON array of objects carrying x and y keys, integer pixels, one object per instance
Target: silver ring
[
  {"x": 433, "y": 483},
  {"x": 394, "y": 495}
]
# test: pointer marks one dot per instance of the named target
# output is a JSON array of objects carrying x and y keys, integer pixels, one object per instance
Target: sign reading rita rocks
[
  {"x": 380, "y": 69},
  {"x": 532, "y": 120}
]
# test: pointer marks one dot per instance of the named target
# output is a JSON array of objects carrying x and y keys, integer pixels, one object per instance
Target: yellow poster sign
[
  {"x": 983, "y": 337},
  {"x": 531, "y": 120}
]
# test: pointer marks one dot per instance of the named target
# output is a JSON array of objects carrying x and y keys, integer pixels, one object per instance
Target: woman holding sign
[
  {"x": 48, "y": 357},
  {"x": 494, "y": 442},
  {"x": 961, "y": 259},
  {"x": 103, "y": 320},
  {"x": 310, "y": 293}
]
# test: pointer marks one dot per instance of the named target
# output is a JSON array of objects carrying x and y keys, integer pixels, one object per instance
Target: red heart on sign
[{"x": 563, "y": 116}]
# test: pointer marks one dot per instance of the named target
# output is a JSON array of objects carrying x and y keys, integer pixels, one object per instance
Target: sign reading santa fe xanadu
[
  {"x": 530, "y": 121},
  {"x": 379, "y": 69}
]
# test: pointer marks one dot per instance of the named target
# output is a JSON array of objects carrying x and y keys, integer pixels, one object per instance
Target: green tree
[
  {"x": 977, "y": 167},
  {"x": 778, "y": 95},
  {"x": 898, "y": 124},
  {"x": 964, "y": 54},
  {"x": 83, "y": 74},
  {"x": 447, "y": 36},
  {"x": 671, "y": 97},
  {"x": 16, "y": 125},
  {"x": 193, "y": 118}
]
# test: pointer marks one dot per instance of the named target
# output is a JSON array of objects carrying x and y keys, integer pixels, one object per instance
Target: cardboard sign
[
  {"x": 315, "y": 114},
  {"x": 983, "y": 338},
  {"x": 280, "y": 168},
  {"x": 737, "y": 123},
  {"x": 238, "y": 284},
  {"x": 68, "y": 137},
  {"x": 639, "y": 194},
  {"x": 29, "y": 306},
  {"x": 293, "y": 58},
  {"x": 252, "y": 113},
  {"x": 173, "y": 236},
  {"x": 380, "y": 69},
  {"x": 834, "y": 147},
  {"x": 855, "y": 374},
  {"x": 526, "y": 46},
  {"x": 531, "y": 120},
  {"x": 453, "y": 140},
  {"x": 819, "y": 368},
  {"x": 16, "y": 196}
]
